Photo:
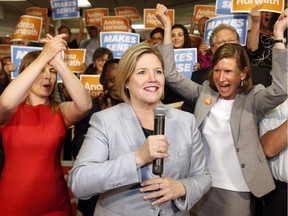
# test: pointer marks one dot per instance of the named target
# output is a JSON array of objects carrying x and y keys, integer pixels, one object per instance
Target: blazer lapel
[{"x": 204, "y": 104}]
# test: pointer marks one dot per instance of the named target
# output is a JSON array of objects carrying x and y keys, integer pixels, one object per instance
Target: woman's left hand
[{"x": 165, "y": 189}]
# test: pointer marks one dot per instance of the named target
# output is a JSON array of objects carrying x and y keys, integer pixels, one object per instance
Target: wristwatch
[{"x": 284, "y": 41}]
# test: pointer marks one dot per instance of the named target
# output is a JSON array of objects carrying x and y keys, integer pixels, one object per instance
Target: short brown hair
[{"x": 238, "y": 53}]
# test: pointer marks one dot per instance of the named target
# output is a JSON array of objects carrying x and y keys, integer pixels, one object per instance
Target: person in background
[
  {"x": 222, "y": 34},
  {"x": 91, "y": 44},
  {"x": 227, "y": 112},
  {"x": 204, "y": 54},
  {"x": 74, "y": 44},
  {"x": 156, "y": 36},
  {"x": 100, "y": 56},
  {"x": 108, "y": 98},
  {"x": 180, "y": 37},
  {"x": 115, "y": 160},
  {"x": 273, "y": 131},
  {"x": 260, "y": 39},
  {"x": 32, "y": 125}
]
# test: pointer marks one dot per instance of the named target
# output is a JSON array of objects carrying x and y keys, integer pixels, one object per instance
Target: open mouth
[{"x": 151, "y": 89}]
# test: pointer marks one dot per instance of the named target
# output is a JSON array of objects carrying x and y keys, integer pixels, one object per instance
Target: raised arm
[
  {"x": 80, "y": 33},
  {"x": 177, "y": 81},
  {"x": 18, "y": 89},
  {"x": 81, "y": 103},
  {"x": 253, "y": 35}
]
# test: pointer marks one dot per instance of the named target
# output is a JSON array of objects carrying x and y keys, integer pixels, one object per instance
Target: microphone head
[{"x": 160, "y": 110}]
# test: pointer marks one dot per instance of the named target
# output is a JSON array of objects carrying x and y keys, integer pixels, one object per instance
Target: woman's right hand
[
  {"x": 53, "y": 47},
  {"x": 256, "y": 14},
  {"x": 155, "y": 146}
]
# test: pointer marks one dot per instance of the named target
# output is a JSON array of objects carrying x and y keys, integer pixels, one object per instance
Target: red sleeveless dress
[{"x": 32, "y": 181}]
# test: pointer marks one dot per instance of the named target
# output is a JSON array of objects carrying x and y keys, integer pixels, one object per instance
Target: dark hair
[
  {"x": 105, "y": 67},
  {"x": 25, "y": 62},
  {"x": 187, "y": 41},
  {"x": 237, "y": 52},
  {"x": 62, "y": 27},
  {"x": 157, "y": 30},
  {"x": 99, "y": 53}
]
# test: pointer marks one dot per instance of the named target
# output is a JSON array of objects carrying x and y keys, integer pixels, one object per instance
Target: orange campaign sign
[
  {"x": 5, "y": 50},
  {"x": 203, "y": 10},
  {"x": 28, "y": 26},
  {"x": 93, "y": 16},
  {"x": 276, "y": 6},
  {"x": 128, "y": 12},
  {"x": 92, "y": 84},
  {"x": 151, "y": 21},
  {"x": 195, "y": 39},
  {"x": 39, "y": 12},
  {"x": 74, "y": 58},
  {"x": 115, "y": 24}
]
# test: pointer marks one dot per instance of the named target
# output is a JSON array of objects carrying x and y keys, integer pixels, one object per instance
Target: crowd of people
[{"x": 224, "y": 151}]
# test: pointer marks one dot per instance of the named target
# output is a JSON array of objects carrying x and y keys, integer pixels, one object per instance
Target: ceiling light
[{"x": 84, "y": 3}]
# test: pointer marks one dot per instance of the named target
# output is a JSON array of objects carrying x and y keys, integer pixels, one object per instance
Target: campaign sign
[
  {"x": 118, "y": 42},
  {"x": 151, "y": 21},
  {"x": 115, "y": 24},
  {"x": 5, "y": 50},
  {"x": 29, "y": 27},
  {"x": 93, "y": 16},
  {"x": 203, "y": 11},
  {"x": 92, "y": 84},
  {"x": 239, "y": 22},
  {"x": 39, "y": 12},
  {"x": 223, "y": 7},
  {"x": 75, "y": 58},
  {"x": 17, "y": 54},
  {"x": 64, "y": 9},
  {"x": 185, "y": 60},
  {"x": 128, "y": 12},
  {"x": 276, "y": 6}
]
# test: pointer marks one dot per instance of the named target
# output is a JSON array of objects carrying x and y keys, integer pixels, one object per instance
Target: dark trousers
[{"x": 273, "y": 203}]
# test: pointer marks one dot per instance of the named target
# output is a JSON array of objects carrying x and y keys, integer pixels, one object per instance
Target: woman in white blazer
[{"x": 116, "y": 157}]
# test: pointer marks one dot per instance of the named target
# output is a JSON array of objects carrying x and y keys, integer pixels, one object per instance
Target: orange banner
[
  {"x": 93, "y": 16},
  {"x": 195, "y": 39},
  {"x": 92, "y": 84},
  {"x": 203, "y": 10},
  {"x": 115, "y": 24},
  {"x": 39, "y": 12},
  {"x": 29, "y": 27},
  {"x": 128, "y": 12},
  {"x": 151, "y": 21},
  {"x": 276, "y": 6},
  {"x": 5, "y": 50},
  {"x": 74, "y": 58}
]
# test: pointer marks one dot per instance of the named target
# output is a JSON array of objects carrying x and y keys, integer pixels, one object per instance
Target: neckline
[{"x": 147, "y": 132}]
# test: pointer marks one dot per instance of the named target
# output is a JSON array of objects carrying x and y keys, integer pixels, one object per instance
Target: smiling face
[
  {"x": 227, "y": 77},
  {"x": 146, "y": 84},
  {"x": 178, "y": 38},
  {"x": 43, "y": 86},
  {"x": 109, "y": 82}
]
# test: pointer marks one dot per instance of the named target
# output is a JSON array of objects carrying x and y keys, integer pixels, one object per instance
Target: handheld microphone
[{"x": 159, "y": 127}]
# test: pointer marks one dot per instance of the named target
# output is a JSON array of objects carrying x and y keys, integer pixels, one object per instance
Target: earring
[
  {"x": 242, "y": 83},
  {"x": 126, "y": 86}
]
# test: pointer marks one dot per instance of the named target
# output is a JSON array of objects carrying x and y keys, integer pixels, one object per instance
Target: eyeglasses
[{"x": 224, "y": 41}]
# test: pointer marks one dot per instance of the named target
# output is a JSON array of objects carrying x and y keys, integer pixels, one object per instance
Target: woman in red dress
[{"x": 32, "y": 124}]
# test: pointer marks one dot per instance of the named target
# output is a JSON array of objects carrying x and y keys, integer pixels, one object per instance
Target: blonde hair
[{"x": 127, "y": 66}]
